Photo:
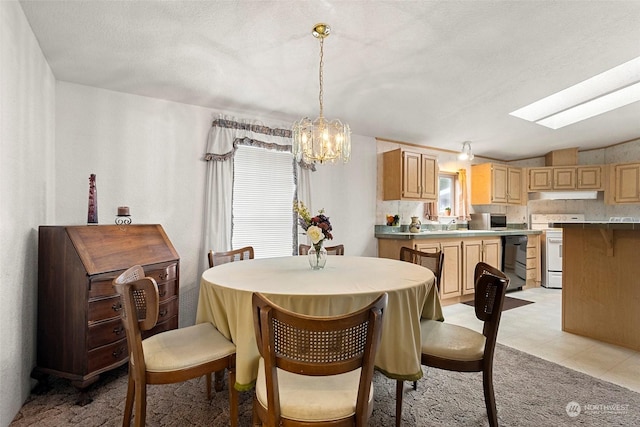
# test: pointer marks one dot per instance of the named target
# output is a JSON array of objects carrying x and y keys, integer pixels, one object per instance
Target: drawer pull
[
  {"x": 163, "y": 276},
  {"x": 163, "y": 312},
  {"x": 118, "y": 330},
  {"x": 162, "y": 293},
  {"x": 117, "y": 306},
  {"x": 117, "y": 353}
]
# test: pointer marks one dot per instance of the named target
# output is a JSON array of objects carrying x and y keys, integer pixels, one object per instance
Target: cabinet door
[
  {"x": 499, "y": 189},
  {"x": 540, "y": 179},
  {"x": 472, "y": 255},
  {"x": 589, "y": 177},
  {"x": 514, "y": 185},
  {"x": 564, "y": 178},
  {"x": 429, "y": 177},
  {"x": 451, "y": 269},
  {"x": 428, "y": 247},
  {"x": 491, "y": 252},
  {"x": 627, "y": 183},
  {"x": 411, "y": 176}
]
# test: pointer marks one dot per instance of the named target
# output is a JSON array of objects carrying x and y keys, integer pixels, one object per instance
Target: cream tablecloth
[{"x": 344, "y": 285}]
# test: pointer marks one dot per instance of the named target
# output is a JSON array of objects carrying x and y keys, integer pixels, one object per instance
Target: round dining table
[{"x": 346, "y": 284}]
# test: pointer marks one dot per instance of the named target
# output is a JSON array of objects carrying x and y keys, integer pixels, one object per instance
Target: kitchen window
[{"x": 447, "y": 196}]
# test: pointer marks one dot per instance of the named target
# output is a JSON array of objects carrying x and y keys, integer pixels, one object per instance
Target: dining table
[{"x": 344, "y": 285}]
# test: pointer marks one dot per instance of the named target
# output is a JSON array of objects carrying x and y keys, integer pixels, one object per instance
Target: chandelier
[{"x": 321, "y": 140}]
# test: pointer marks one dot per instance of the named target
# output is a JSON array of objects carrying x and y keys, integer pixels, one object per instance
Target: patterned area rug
[
  {"x": 509, "y": 303},
  {"x": 529, "y": 392}
]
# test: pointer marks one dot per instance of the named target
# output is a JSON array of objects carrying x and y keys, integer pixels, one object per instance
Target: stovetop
[{"x": 541, "y": 221}]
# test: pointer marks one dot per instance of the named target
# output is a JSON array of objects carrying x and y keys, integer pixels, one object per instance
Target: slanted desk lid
[{"x": 104, "y": 248}]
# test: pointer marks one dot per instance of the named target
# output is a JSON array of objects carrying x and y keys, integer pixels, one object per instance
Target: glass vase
[{"x": 317, "y": 256}]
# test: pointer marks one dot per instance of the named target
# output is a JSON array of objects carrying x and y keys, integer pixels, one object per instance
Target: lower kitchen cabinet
[
  {"x": 475, "y": 251},
  {"x": 451, "y": 265}
]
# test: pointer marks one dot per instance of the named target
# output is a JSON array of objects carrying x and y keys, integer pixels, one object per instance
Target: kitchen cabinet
[
  {"x": 475, "y": 251},
  {"x": 493, "y": 183},
  {"x": 565, "y": 178},
  {"x": 451, "y": 285},
  {"x": 624, "y": 183},
  {"x": 79, "y": 330},
  {"x": 533, "y": 260},
  {"x": 409, "y": 175}
]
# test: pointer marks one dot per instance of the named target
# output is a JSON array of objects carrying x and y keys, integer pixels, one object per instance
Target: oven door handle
[{"x": 554, "y": 240}]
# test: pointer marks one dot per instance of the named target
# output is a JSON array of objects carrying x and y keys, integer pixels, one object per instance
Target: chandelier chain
[{"x": 321, "y": 75}]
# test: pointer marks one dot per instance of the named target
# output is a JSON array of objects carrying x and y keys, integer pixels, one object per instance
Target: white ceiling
[{"x": 435, "y": 73}]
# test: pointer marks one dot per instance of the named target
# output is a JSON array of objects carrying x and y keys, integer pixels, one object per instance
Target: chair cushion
[
  {"x": 306, "y": 398},
  {"x": 451, "y": 341},
  {"x": 185, "y": 347}
]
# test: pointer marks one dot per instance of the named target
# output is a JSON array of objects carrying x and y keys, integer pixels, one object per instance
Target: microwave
[{"x": 487, "y": 221}]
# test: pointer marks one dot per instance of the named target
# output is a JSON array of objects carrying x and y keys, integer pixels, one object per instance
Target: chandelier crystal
[{"x": 321, "y": 140}]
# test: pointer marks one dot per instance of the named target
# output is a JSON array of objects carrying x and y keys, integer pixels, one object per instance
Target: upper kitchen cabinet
[
  {"x": 624, "y": 180},
  {"x": 409, "y": 176},
  {"x": 493, "y": 183},
  {"x": 565, "y": 178}
]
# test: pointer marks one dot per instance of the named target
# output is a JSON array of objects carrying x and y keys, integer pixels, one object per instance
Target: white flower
[{"x": 315, "y": 234}]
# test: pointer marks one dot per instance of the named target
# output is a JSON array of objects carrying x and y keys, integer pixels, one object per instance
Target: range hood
[{"x": 564, "y": 195}]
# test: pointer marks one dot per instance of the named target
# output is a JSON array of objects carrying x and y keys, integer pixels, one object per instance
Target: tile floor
[{"x": 536, "y": 329}]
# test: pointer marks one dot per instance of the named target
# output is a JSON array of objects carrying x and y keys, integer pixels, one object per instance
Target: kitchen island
[{"x": 601, "y": 281}]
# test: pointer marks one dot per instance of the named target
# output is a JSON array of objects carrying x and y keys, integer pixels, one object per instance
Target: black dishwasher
[{"x": 514, "y": 260}]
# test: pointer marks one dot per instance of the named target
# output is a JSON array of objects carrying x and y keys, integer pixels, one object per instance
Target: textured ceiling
[{"x": 426, "y": 72}]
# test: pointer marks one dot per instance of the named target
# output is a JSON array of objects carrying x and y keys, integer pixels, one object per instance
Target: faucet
[{"x": 450, "y": 223}]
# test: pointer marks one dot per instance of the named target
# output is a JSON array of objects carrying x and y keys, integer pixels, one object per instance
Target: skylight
[{"x": 604, "y": 92}]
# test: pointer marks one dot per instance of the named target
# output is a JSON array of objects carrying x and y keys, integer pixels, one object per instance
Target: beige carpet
[{"x": 529, "y": 392}]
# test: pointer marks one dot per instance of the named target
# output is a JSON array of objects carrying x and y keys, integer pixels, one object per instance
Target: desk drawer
[
  {"x": 104, "y": 308},
  {"x": 163, "y": 274},
  {"x": 106, "y": 332},
  {"x": 167, "y": 290},
  {"x": 108, "y": 355},
  {"x": 168, "y": 309}
]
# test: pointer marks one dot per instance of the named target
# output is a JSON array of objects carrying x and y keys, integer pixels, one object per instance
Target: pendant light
[{"x": 321, "y": 140}]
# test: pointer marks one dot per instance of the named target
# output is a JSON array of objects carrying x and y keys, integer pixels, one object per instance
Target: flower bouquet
[{"x": 318, "y": 228}]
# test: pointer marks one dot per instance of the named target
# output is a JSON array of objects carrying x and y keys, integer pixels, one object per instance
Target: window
[
  {"x": 447, "y": 198},
  {"x": 263, "y": 193}
]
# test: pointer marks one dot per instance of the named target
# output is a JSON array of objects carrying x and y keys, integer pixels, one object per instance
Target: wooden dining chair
[
  {"x": 456, "y": 348},
  {"x": 331, "y": 250},
  {"x": 315, "y": 370},
  {"x": 168, "y": 357},
  {"x": 217, "y": 258},
  {"x": 434, "y": 261}
]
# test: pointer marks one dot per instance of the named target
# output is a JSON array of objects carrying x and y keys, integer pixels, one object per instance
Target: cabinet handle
[
  {"x": 163, "y": 276},
  {"x": 117, "y": 353},
  {"x": 162, "y": 293},
  {"x": 117, "y": 306},
  {"x": 118, "y": 330},
  {"x": 163, "y": 312}
]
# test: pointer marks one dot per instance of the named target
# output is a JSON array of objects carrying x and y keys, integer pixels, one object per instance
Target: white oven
[{"x": 551, "y": 245}]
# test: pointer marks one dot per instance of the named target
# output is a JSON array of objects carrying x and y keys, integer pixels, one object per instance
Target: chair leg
[
  {"x": 219, "y": 380},
  {"x": 415, "y": 385},
  {"x": 208, "y": 380},
  {"x": 233, "y": 398},
  {"x": 141, "y": 404},
  {"x": 489, "y": 396},
  {"x": 399, "y": 394},
  {"x": 128, "y": 405},
  {"x": 255, "y": 417}
]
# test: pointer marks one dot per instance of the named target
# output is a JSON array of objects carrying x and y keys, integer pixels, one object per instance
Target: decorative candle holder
[{"x": 123, "y": 217}]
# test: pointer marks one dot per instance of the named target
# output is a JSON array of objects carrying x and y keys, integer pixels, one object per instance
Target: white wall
[
  {"x": 347, "y": 192},
  {"x": 27, "y": 190},
  {"x": 146, "y": 154}
]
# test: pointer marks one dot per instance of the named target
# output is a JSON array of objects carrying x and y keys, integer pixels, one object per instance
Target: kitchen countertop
[
  {"x": 440, "y": 234},
  {"x": 603, "y": 225}
]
